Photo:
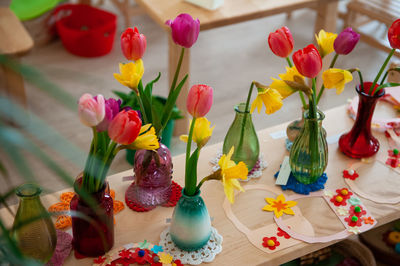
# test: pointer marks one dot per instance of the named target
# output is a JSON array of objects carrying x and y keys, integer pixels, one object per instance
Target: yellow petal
[
  {"x": 270, "y": 200},
  {"x": 237, "y": 171},
  {"x": 184, "y": 138},
  {"x": 280, "y": 198},
  {"x": 282, "y": 87},
  {"x": 144, "y": 128},
  {"x": 325, "y": 42},
  {"x": 336, "y": 78},
  {"x": 146, "y": 141},
  {"x": 228, "y": 189},
  {"x": 268, "y": 208},
  {"x": 278, "y": 213},
  {"x": 202, "y": 131},
  {"x": 272, "y": 101},
  {"x": 257, "y": 103},
  {"x": 291, "y": 203},
  {"x": 236, "y": 185},
  {"x": 288, "y": 211}
]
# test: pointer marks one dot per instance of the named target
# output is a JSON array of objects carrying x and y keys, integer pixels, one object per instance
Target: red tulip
[
  {"x": 125, "y": 127},
  {"x": 308, "y": 61},
  {"x": 199, "y": 100},
  {"x": 394, "y": 34},
  {"x": 133, "y": 44},
  {"x": 281, "y": 42}
]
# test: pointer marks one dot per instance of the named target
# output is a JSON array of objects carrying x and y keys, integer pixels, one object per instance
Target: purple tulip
[
  {"x": 185, "y": 30},
  {"x": 346, "y": 41},
  {"x": 112, "y": 108}
]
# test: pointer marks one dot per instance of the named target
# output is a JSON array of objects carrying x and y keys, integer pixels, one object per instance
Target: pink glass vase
[
  {"x": 359, "y": 142},
  {"x": 153, "y": 174},
  {"x": 95, "y": 237}
]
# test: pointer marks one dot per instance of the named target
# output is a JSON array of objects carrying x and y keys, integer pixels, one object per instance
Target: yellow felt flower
[
  {"x": 325, "y": 42},
  {"x": 201, "y": 133},
  {"x": 165, "y": 258},
  {"x": 147, "y": 139},
  {"x": 336, "y": 78},
  {"x": 279, "y": 206},
  {"x": 270, "y": 98},
  {"x": 292, "y": 74},
  {"x": 230, "y": 172},
  {"x": 130, "y": 74}
]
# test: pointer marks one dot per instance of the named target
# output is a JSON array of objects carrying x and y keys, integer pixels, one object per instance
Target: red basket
[{"x": 85, "y": 30}]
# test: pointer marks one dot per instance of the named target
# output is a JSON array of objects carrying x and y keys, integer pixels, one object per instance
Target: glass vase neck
[
  {"x": 188, "y": 197},
  {"x": 320, "y": 116},
  {"x": 367, "y": 85},
  {"x": 241, "y": 109},
  {"x": 28, "y": 190}
]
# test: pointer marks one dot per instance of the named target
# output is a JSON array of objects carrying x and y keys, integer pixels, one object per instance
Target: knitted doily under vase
[{"x": 205, "y": 254}]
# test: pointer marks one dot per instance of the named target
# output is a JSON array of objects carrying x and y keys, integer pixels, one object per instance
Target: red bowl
[{"x": 85, "y": 30}]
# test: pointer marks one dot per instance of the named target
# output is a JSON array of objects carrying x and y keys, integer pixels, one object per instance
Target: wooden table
[
  {"x": 134, "y": 227},
  {"x": 233, "y": 11}
]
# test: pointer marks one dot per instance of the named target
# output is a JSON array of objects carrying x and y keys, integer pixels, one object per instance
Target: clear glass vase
[
  {"x": 359, "y": 142},
  {"x": 92, "y": 237},
  {"x": 309, "y": 153},
  {"x": 243, "y": 137},
  {"x": 153, "y": 174},
  {"x": 191, "y": 224},
  {"x": 33, "y": 228}
]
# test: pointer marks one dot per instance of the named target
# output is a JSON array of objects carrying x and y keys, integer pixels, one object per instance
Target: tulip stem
[
  {"x": 178, "y": 69},
  {"x": 381, "y": 70},
  {"x": 246, "y": 112},
  {"x": 303, "y": 101},
  {"x": 143, "y": 111},
  {"x": 188, "y": 183},
  {"x": 249, "y": 97}
]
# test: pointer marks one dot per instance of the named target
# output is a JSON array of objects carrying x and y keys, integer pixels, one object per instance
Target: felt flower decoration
[
  {"x": 165, "y": 258},
  {"x": 368, "y": 220},
  {"x": 270, "y": 242},
  {"x": 282, "y": 233},
  {"x": 342, "y": 211},
  {"x": 279, "y": 206},
  {"x": 350, "y": 174},
  {"x": 355, "y": 230}
]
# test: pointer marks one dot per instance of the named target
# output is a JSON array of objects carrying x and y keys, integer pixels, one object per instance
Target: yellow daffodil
[
  {"x": 130, "y": 74},
  {"x": 325, "y": 42},
  {"x": 279, "y": 206},
  {"x": 201, "y": 133},
  {"x": 336, "y": 78},
  {"x": 230, "y": 172},
  {"x": 271, "y": 99},
  {"x": 165, "y": 258},
  {"x": 147, "y": 139},
  {"x": 293, "y": 75}
]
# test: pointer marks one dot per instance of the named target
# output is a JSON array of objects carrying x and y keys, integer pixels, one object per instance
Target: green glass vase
[
  {"x": 243, "y": 137},
  {"x": 309, "y": 153},
  {"x": 33, "y": 228}
]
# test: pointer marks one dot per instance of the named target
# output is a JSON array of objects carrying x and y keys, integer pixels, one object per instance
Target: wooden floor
[{"x": 227, "y": 59}]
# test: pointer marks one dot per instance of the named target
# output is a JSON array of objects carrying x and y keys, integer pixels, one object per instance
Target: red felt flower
[
  {"x": 142, "y": 256},
  {"x": 353, "y": 211},
  {"x": 338, "y": 200},
  {"x": 282, "y": 233},
  {"x": 99, "y": 260},
  {"x": 368, "y": 220},
  {"x": 178, "y": 263},
  {"x": 344, "y": 192},
  {"x": 270, "y": 242},
  {"x": 352, "y": 223},
  {"x": 350, "y": 174},
  {"x": 125, "y": 254},
  {"x": 393, "y": 162}
]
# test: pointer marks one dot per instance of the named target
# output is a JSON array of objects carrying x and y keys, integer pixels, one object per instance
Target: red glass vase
[
  {"x": 359, "y": 142},
  {"x": 92, "y": 237}
]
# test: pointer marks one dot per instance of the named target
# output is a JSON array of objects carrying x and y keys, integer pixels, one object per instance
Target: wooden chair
[
  {"x": 361, "y": 12},
  {"x": 15, "y": 41}
]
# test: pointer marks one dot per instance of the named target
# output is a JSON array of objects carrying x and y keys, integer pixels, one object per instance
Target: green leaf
[
  {"x": 171, "y": 102},
  {"x": 191, "y": 167},
  {"x": 386, "y": 85},
  {"x": 149, "y": 87},
  {"x": 156, "y": 121},
  {"x": 124, "y": 96},
  {"x": 146, "y": 103}
]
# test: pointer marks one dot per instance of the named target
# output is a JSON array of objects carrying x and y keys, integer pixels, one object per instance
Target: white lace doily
[
  {"x": 205, "y": 254},
  {"x": 253, "y": 173}
]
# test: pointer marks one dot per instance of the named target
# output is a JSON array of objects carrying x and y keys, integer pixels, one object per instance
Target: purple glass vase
[{"x": 153, "y": 174}]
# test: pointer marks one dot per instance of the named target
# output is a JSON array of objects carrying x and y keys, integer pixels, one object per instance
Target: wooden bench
[{"x": 361, "y": 12}]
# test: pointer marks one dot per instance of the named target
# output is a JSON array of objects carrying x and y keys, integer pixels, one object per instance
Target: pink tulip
[
  {"x": 185, "y": 30},
  {"x": 125, "y": 127},
  {"x": 199, "y": 100},
  {"x": 133, "y": 44},
  {"x": 91, "y": 110}
]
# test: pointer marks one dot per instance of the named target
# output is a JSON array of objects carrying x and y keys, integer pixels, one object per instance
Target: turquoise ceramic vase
[{"x": 191, "y": 224}]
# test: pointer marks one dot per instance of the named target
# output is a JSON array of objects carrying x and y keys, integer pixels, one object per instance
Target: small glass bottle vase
[
  {"x": 191, "y": 224},
  {"x": 243, "y": 137},
  {"x": 309, "y": 154},
  {"x": 33, "y": 228},
  {"x": 359, "y": 142},
  {"x": 92, "y": 237},
  {"x": 153, "y": 174}
]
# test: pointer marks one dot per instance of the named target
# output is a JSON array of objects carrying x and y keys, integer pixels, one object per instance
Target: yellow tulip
[
  {"x": 147, "y": 139},
  {"x": 130, "y": 74},
  {"x": 325, "y": 42},
  {"x": 231, "y": 172},
  {"x": 292, "y": 74},
  {"x": 336, "y": 78},
  {"x": 201, "y": 132},
  {"x": 271, "y": 99}
]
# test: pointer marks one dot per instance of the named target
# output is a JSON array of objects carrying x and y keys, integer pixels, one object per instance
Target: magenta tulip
[
  {"x": 199, "y": 100},
  {"x": 185, "y": 30},
  {"x": 346, "y": 41},
  {"x": 125, "y": 127},
  {"x": 133, "y": 44},
  {"x": 91, "y": 110},
  {"x": 281, "y": 42},
  {"x": 308, "y": 61},
  {"x": 112, "y": 108}
]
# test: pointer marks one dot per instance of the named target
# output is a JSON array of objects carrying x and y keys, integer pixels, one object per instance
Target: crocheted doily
[
  {"x": 205, "y": 254},
  {"x": 256, "y": 172}
]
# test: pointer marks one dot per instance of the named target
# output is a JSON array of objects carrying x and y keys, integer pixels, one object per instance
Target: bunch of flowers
[
  {"x": 113, "y": 129},
  {"x": 185, "y": 31},
  {"x": 198, "y": 104}
]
